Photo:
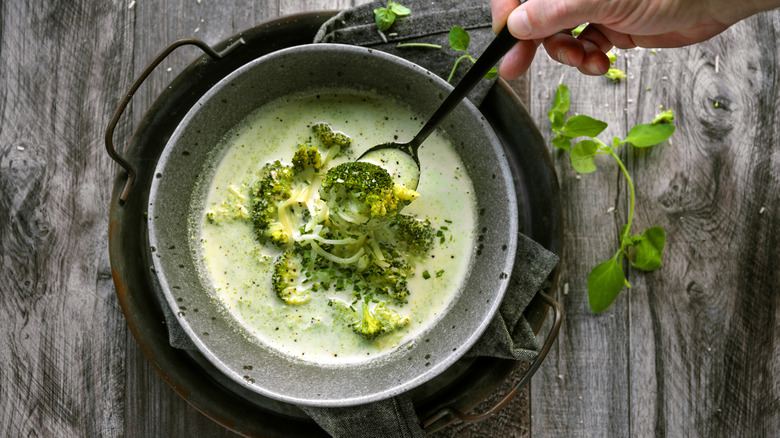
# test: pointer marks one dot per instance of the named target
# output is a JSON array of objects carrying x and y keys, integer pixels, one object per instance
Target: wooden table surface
[{"x": 692, "y": 349}]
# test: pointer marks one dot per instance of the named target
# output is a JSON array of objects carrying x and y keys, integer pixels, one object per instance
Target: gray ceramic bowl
[{"x": 186, "y": 160}]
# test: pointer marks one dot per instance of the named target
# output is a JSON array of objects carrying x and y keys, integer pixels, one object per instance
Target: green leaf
[
  {"x": 583, "y": 126},
  {"x": 582, "y": 155},
  {"x": 645, "y": 135},
  {"x": 400, "y": 10},
  {"x": 560, "y": 106},
  {"x": 562, "y": 141},
  {"x": 557, "y": 119},
  {"x": 492, "y": 73},
  {"x": 605, "y": 282},
  {"x": 384, "y": 18},
  {"x": 459, "y": 39},
  {"x": 649, "y": 249}
]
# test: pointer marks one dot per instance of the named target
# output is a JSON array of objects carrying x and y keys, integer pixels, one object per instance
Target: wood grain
[
  {"x": 63, "y": 356},
  {"x": 704, "y": 328},
  {"x": 692, "y": 349},
  {"x": 581, "y": 386}
]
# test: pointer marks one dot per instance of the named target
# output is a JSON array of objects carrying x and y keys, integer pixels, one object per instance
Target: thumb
[{"x": 542, "y": 18}]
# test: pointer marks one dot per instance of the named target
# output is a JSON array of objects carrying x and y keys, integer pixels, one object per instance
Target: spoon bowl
[{"x": 401, "y": 159}]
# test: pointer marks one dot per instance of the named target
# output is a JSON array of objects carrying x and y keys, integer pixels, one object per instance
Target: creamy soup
[{"x": 239, "y": 268}]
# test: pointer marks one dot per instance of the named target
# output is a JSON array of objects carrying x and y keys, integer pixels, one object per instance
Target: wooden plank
[
  {"x": 581, "y": 389},
  {"x": 62, "y": 359},
  {"x": 705, "y": 355},
  {"x": 288, "y": 7},
  {"x": 152, "y": 407}
]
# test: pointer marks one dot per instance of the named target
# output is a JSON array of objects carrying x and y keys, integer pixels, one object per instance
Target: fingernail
[
  {"x": 518, "y": 23},
  {"x": 563, "y": 57},
  {"x": 594, "y": 69}
]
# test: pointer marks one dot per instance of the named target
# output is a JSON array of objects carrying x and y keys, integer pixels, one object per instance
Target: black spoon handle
[{"x": 497, "y": 48}]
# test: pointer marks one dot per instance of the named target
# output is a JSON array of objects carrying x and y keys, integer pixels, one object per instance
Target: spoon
[{"x": 401, "y": 159}]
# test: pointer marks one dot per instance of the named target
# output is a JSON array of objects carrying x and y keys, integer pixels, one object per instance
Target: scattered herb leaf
[
  {"x": 557, "y": 114},
  {"x": 385, "y": 17},
  {"x": 581, "y": 125},
  {"x": 645, "y": 251},
  {"x": 649, "y": 248},
  {"x": 459, "y": 40},
  {"x": 582, "y": 155},
  {"x": 646, "y": 135},
  {"x": 399, "y": 9},
  {"x": 605, "y": 282}
]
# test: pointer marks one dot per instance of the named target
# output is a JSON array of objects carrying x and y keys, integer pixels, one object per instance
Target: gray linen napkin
[{"x": 429, "y": 22}]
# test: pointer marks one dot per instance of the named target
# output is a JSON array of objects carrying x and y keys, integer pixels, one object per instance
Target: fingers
[
  {"x": 594, "y": 62},
  {"x": 501, "y": 10},
  {"x": 565, "y": 49},
  {"x": 595, "y": 45},
  {"x": 542, "y": 18},
  {"x": 586, "y": 52},
  {"x": 518, "y": 59}
]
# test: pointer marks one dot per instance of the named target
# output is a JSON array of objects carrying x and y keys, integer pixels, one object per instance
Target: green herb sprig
[
  {"x": 385, "y": 17},
  {"x": 644, "y": 251},
  {"x": 459, "y": 41}
]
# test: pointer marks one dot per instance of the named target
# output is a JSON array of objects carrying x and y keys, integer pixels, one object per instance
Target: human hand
[{"x": 617, "y": 23}]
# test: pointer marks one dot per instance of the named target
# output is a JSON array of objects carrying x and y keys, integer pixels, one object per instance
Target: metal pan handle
[
  {"x": 428, "y": 424},
  {"x": 141, "y": 78}
]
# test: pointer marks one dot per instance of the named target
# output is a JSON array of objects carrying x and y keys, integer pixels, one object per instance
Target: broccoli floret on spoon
[{"x": 358, "y": 192}]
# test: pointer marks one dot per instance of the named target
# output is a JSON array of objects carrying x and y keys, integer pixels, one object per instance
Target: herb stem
[
  {"x": 631, "y": 191},
  {"x": 430, "y": 46},
  {"x": 455, "y": 67}
]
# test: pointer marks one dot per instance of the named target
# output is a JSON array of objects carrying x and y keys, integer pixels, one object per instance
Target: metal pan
[
  {"x": 186, "y": 159},
  {"x": 448, "y": 397}
]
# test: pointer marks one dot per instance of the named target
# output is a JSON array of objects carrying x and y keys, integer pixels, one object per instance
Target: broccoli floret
[
  {"x": 232, "y": 208},
  {"x": 391, "y": 280},
  {"x": 615, "y": 74},
  {"x": 612, "y": 58},
  {"x": 330, "y": 138},
  {"x": 359, "y": 191},
  {"x": 287, "y": 270},
  {"x": 273, "y": 187},
  {"x": 305, "y": 158},
  {"x": 413, "y": 235},
  {"x": 378, "y": 321},
  {"x": 664, "y": 117}
]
